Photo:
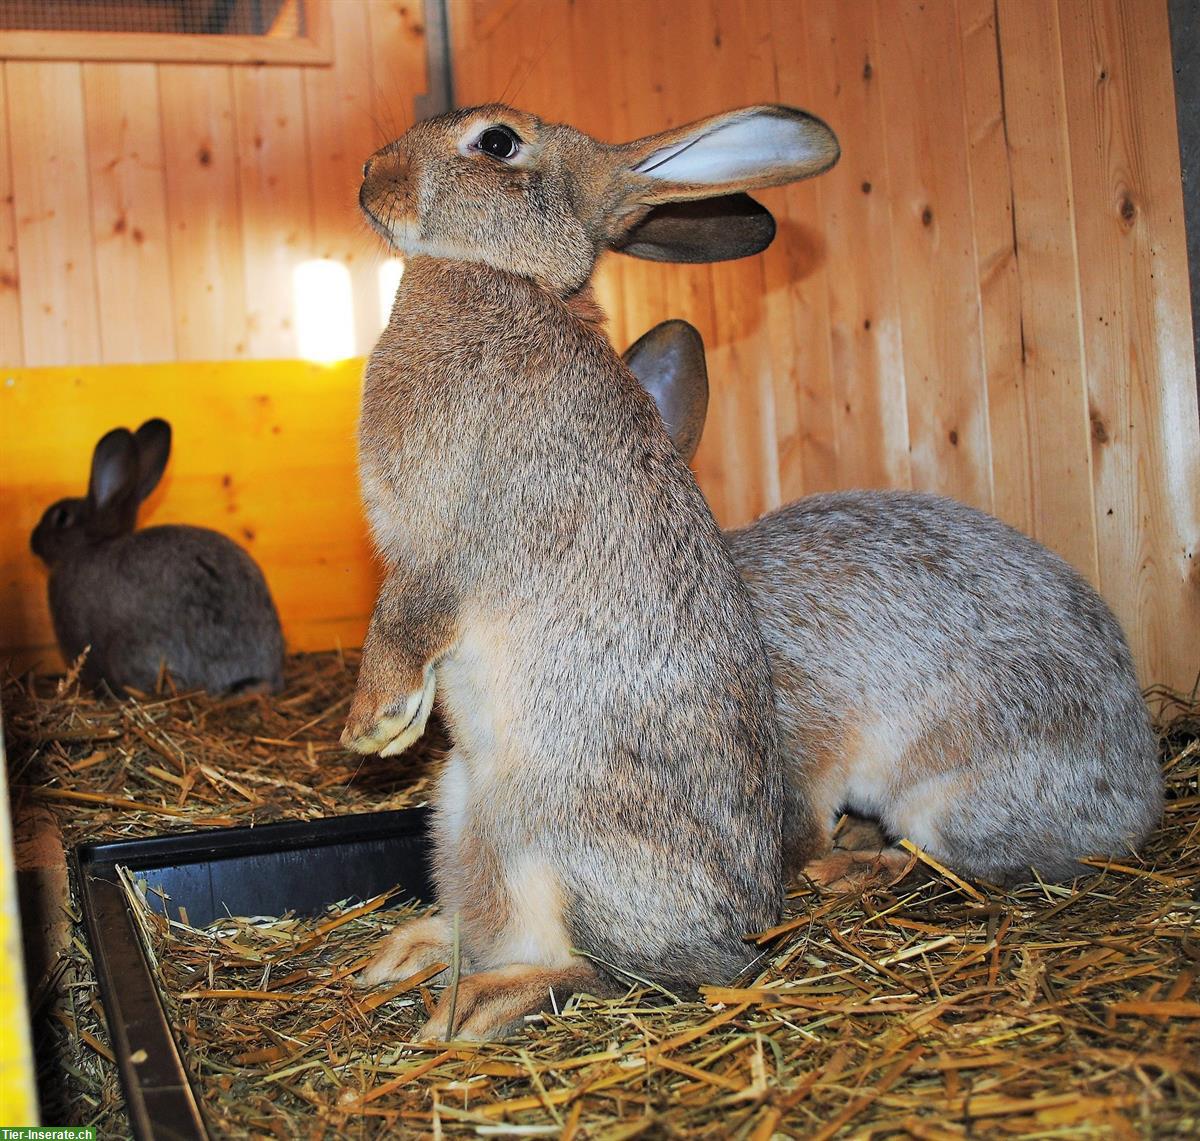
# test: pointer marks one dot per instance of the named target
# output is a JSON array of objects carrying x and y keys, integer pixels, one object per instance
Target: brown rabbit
[
  {"x": 935, "y": 670},
  {"x": 612, "y": 807}
]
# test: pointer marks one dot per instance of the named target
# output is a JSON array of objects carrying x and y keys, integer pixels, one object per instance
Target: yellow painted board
[
  {"x": 264, "y": 452},
  {"x": 18, "y": 1104}
]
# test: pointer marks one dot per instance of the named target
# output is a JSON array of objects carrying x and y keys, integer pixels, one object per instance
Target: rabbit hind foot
[
  {"x": 847, "y": 869},
  {"x": 493, "y": 1004}
]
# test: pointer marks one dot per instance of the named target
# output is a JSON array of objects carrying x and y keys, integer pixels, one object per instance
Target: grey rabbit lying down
[
  {"x": 612, "y": 808},
  {"x": 181, "y": 597},
  {"x": 934, "y": 669}
]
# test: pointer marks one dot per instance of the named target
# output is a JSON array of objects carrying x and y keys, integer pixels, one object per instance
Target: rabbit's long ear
[
  {"x": 669, "y": 363},
  {"x": 707, "y": 230},
  {"x": 154, "y": 449},
  {"x": 112, "y": 489},
  {"x": 716, "y": 159}
]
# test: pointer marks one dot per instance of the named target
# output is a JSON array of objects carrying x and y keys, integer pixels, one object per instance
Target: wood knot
[{"x": 927, "y": 217}]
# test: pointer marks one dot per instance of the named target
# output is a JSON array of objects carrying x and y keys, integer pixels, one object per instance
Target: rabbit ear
[
  {"x": 715, "y": 159},
  {"x": 707, "y": 230},
  {"x": 154, "y": 449},
  {"x": 112, "y": 490},
  {"x": 669, "y": 362},
  {"x": 740, "y": 150}
]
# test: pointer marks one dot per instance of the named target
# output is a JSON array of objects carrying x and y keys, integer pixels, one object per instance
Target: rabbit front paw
[
  {"x": 390, "y": 728},
  {"x": 410, "y": 948}
]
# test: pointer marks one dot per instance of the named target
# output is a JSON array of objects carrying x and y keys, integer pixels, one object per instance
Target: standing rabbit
[
  {"x": 934, "y": 669},
  {"x": 181, "y": 597},
  {"x": 612, "y": 808}
]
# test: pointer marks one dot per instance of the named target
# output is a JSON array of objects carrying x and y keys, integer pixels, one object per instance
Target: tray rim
[{"x": 134, "y": 1012}]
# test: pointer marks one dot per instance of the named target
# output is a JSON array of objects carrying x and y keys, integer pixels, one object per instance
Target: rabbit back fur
[
  {"x": 186, "y": 596},
  {"x": 938, "y": 670}
]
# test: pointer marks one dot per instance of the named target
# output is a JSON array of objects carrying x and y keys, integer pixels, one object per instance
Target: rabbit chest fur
[{"x": 605, "y": 682}]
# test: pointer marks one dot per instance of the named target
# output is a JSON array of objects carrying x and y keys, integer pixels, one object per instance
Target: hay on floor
[{"x": 936, "y": 1008}]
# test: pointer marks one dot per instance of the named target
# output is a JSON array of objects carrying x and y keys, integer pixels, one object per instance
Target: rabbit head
[
  {"x": 126, "y": 468},
  {"x": 543, "y": 200}
]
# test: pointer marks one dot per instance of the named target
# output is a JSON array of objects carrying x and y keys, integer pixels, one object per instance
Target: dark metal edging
[
  {"x": 440, "y": 96},
  {"x": 158, "y": 1093},
  {"x": 162, "y": 1102}
]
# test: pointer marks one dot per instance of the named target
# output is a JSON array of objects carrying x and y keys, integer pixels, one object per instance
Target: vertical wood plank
[
  {"x": 797, "y": 297},
  {"x": 59, "y": 312},
  {"x": 341, "y": 135},
  {"x": 920, "y": 70},
  {"x": 129, "y": 213},
  {"x": 739, "y": 69},
  {"x": 398, "y": 68},
  {"x": 1142, "y": 414},
  {"x": 275, "y": 201},
  {"x": 653, "y": 42},
  {"x": 599, "y": 58},
  {"x": 1055, "y": 385},
  {"x": 866, "y": 349},
  {"x": 996, "y": 266},
  {"x": 12, "y": 350},
  {"x": 205, "y": 224}
]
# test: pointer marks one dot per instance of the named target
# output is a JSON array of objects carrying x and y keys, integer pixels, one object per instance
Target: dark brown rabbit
[
  {"x": 935, "y": 670},
  {"x": 184, "y": 598},
  {"x": 612, "y": 808}
]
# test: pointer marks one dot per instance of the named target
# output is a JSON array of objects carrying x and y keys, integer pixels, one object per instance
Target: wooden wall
[
  {"x": 986, "y": 298},
  {"x": 155, "y": 212}
]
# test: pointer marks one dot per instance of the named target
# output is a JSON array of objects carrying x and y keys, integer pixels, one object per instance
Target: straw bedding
[{"x": 935, "y": 1008}]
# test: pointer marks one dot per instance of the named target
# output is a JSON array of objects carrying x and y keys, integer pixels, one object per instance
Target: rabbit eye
[
  {"x": 499, "y": 142},
  {"x": 60, "y": 517}
]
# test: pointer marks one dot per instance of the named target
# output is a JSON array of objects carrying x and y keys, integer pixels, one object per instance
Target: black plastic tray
[{"x": 268, "y": 870}]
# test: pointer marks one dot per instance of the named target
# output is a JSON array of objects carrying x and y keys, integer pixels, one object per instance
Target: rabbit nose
[{"x": 367, "y": 167}]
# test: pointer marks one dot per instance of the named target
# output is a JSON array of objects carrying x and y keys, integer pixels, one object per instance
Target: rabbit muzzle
[{"x": 386, "y": 196}]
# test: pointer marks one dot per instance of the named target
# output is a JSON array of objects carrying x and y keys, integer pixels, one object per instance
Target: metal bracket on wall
[
  {"x": 440, "y": 96},
  {"x": 1185, "y": 28}
]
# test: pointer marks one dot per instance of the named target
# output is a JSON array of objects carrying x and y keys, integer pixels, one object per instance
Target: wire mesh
[{"x": 277, "y": 18}]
